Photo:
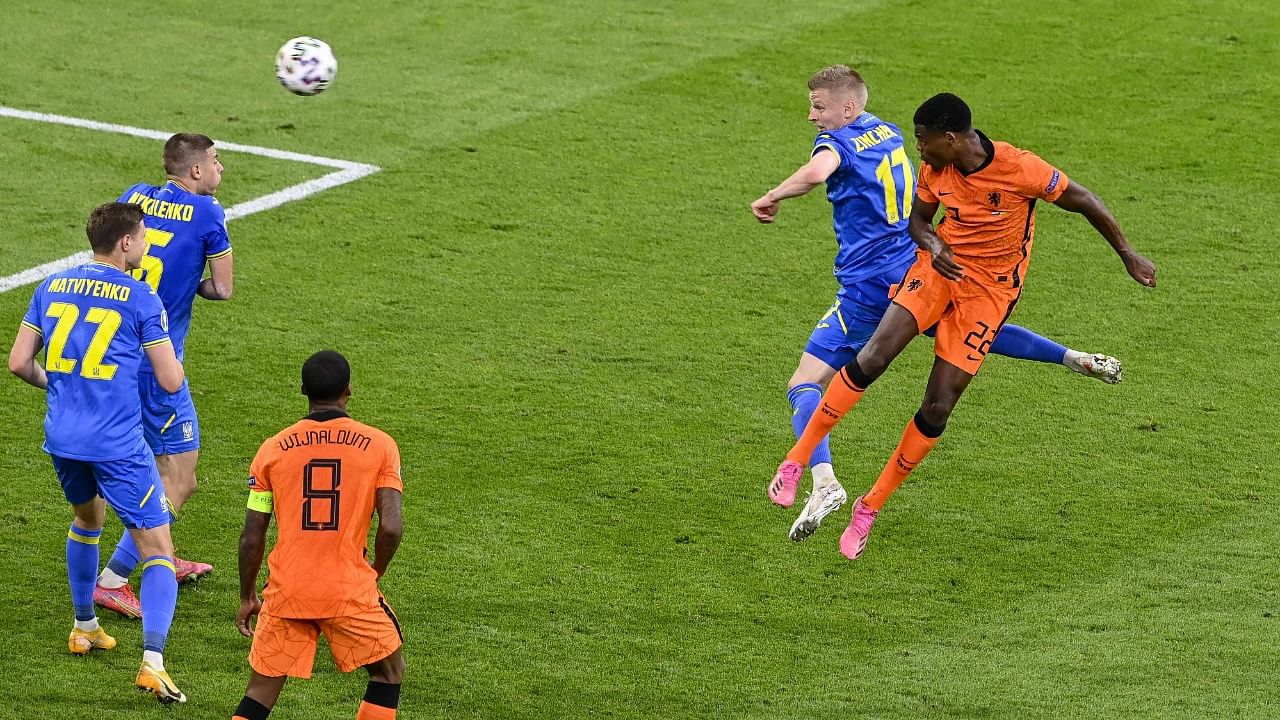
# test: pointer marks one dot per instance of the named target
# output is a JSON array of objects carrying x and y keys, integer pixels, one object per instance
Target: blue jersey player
[
  {"x": 870, "y": 184},
  {"x": 186, "y": 229},
  {"x": 99, "y": 327}
]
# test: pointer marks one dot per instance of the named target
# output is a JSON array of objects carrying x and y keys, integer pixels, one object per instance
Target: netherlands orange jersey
[
  {"x": 319, "y": 477},
  {"x": 990, "y": 212}
]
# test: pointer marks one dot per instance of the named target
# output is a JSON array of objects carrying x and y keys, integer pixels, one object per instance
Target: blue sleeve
[
  {"x": 216, "y": 241},
  {"x": 32, "y": 317},
  {"x": 124, "y": 196},
  {"x": 153, "y": 322},
  {"x": 825, "y": 140}
]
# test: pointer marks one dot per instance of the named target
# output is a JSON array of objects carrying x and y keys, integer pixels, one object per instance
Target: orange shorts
[
  {"x": 968, "y": 312},
  {"x": 287, "y": 646}
]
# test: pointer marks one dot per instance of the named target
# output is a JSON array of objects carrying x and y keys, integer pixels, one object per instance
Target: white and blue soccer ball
[{"x": 306, "y": 66}]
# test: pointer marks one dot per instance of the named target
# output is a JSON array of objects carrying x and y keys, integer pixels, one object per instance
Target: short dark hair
[
  {"x": 325, "y": 375},
  {"x": 944, "y": 112},
  {"x": 109, "y": 222},
  {"x": 184, "y": 150}
]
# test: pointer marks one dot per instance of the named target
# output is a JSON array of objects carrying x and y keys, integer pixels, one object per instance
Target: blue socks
[
  {"x": 125, "y": 558},
  {"x": 1018, "y": 342},
  {"x": 82, "y": 569},
  {"x": 159, "y": 597},
  {"x": 804, "y": 400}
]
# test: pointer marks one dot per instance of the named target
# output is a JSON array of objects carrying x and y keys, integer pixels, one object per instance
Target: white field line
[{"x": 345, "y": 172}]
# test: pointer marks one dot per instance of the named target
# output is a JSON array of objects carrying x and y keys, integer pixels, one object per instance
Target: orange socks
[
  {"x": 917, "y": 440},
  {"x": 842, "y": 394},
  {"x": 380, "y": 701},
  {"x": 369, "y": 711}
]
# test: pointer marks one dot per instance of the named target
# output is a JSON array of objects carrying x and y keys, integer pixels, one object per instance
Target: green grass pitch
[{"x": 555, "y": 297}]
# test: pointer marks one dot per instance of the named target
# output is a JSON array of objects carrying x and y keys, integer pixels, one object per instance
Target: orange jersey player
[
  {"x": 323, "y": 478},
  {"x": 966, "y": 279}
]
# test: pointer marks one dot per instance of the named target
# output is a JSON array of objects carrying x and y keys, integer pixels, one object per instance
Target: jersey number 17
[{"x": 894, "y": 211}]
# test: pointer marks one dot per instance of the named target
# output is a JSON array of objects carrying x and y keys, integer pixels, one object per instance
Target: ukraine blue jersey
[
  {"x": 184, "y": 231},
  {"x": 870, "y": 194},
  {"x": 96, "y": 322}
]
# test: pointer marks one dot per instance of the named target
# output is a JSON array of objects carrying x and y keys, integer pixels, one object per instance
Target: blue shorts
[
  {"x": 130, "y": 486},
  {"x": 169, "y": 421},
  {"x": 849, "y": 323}
]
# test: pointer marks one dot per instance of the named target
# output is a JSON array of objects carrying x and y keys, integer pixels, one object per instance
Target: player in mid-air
[
  {"x": 323, "y": 478},
  {"x": 186, "y": 228},
  {"x": 870, "y": 184},
  {"x": 99, "y": 326},
  {"x": 967, "y": 276}
]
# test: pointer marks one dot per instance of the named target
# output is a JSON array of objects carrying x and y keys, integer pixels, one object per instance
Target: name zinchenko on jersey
[
  {"x": 873, "y": 137},
  {"x": 92, "y": 288},
  {"x": 325, "y": 437},
  {"x": 163, "y": 209}
]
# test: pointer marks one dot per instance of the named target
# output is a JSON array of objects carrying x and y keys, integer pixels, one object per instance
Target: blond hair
[{"x": 843, "y": 79}]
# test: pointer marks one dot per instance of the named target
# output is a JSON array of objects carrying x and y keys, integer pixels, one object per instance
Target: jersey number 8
[{"x": 318, "y": 499}]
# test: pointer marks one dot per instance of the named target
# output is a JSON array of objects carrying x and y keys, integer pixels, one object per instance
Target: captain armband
[{"x": 261, "y": 501}]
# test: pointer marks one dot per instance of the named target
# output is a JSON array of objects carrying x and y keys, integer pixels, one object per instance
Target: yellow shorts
[{"x": 287, "y": 646}]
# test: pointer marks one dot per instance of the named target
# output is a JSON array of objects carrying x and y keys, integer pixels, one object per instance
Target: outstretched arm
[
  {"x": 1079, "y": 199},
  {"x": 809, "y": 176}
]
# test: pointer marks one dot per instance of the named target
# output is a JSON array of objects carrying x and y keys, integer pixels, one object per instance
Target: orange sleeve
[
  {"x": 1040, "y": 179},
  {"x": 259, "y": 478},
  {"x": 389, "y": 473},
  {"x": 923, "y": 190}
]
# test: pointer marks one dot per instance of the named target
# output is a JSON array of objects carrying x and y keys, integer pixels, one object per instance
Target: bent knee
[
  {"x": 388, "y": 670},
  {"x": 937, "y": 412}
]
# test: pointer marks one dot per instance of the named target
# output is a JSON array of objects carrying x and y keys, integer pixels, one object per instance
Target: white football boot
[
  {"x": 1096, "y": 365},
  {"x": 825, "y": 500}
]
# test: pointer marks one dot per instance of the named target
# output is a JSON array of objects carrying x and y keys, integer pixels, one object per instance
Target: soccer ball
[{"x": 305, "y": 66}]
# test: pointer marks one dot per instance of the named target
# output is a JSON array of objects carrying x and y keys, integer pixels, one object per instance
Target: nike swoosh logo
[{"x": 943, "y": 193}]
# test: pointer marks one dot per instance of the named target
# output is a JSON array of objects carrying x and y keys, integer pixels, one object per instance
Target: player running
[
  {"x": 323, "y": 478},
  {"x": 870, "y": 183},
  {"x": 97, "y": 325},
  {"x": 966, "y": 279},
  {"x": 186, "y": 228}
]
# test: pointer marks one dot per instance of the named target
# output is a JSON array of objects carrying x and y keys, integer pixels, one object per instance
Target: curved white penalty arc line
[{"x": 347, "y": 171}]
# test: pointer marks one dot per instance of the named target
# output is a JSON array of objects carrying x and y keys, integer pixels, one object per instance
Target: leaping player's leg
[
  {"x": 82, "y": 553},
  {"x": 805, "y": 394},
  {"x": 965, "y": 331},
  {"x": 946, "y": 383},
  {"x": 895, "y": 332},
  {"x": 839, "y": 335},
  {"x": 1018, "y": 342}
]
